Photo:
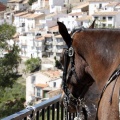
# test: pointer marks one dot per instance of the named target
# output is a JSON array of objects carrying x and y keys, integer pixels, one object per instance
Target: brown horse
[{"x": 96, "y": 57}]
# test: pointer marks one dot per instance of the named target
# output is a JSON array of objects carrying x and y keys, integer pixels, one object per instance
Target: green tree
[
  {"x": 9, "y": 61},
  {"x": 57, "y": 64},
  {"x": 31, "y": 1},
  {"x": 33, "y": 64}
]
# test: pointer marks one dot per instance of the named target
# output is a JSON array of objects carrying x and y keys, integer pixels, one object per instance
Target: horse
[{"x": 93, "y": 55}]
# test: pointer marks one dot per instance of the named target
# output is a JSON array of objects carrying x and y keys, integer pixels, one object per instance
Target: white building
[
  {"x": 107, "y": 19},
  {"x": 31, "y": 44},
  {"x": 40, "y": 4},
  {"x": 96, "y": 6},
  {"x": 25, "y": 21},
  {"x": 18, "y": 5},
  {"x": 40, "y": 83},
  {"x": 56, "y": 5}
]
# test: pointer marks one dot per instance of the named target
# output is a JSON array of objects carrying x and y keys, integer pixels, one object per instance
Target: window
[
  {"x": 32, "y": 47},
  {"x": 104, "y": 18},
  {"x": 110, "y": 25},
  {"x": 38, "y": 92},
  {"x": 100, "y": 6},
  {"x": 33, "y": 79},
  {"x": 96, "y": 18},
  {"x": 104, "y": 25},
  {"x": 54, "y": 84},
  {"x": 109, "y": 18}
]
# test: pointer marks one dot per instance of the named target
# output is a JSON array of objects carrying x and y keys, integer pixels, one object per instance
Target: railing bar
[
  {"x": 62, "y": 113},
  {"x": 53, "y": 111},
  {"x": 73, "y": 115},
  {"x": 27, "y": 112},
  {"x": 25, "y": 118},
  {"x": 37, "y": 115},
  {"x": 48, "y": 113},
  {"x": 69, "y": 116},
  {"x": 43, "y": 114},
  {"x": 57, "y": 110}
]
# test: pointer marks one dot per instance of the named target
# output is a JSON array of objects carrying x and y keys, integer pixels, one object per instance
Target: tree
[
  {"x": 33, "y": 64},
  {"x": 31, "y": 1},
  {"x": 9, "y": 61},
  {"x": 57, "y": 64}
]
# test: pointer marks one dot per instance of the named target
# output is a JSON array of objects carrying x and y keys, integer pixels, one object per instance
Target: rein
[{"x": 114, "y": 76}]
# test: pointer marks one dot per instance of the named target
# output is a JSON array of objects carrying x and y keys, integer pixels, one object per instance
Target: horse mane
[{"x": 77, "y": 29}]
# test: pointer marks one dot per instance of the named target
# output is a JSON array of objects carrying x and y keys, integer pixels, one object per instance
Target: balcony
[
  {"x": 60, "y": 43},
  {"x": 46, "y": 110},
  {"x": 59, "y": 51},
  {"x": 49, "y": 42},
  {"x": 49, "y": 50}
]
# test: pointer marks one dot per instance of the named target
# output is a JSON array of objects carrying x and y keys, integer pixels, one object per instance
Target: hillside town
[{"x": 37, "y": 34}]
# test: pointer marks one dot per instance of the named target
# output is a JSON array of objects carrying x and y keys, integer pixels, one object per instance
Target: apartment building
[
  {"x": 40, "y": 83},
  {"x": 56, "y": 5},
  {"x": 31, "y": 44},
  {"x": 107, "y": 19},
  {"x": 25, "y": 21},
  {"x": 18, "y": 5}
]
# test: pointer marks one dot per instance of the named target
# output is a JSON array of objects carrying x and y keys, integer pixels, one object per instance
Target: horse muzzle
[{"x": 68, "y": 104}]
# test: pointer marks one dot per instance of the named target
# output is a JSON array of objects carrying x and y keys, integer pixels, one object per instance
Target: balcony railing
[{"x": 46, "y": 110}]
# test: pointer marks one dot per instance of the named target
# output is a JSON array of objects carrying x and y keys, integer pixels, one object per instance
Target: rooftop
[
  {"x": 53, "y": 73},
  {"x": 84, "y": 18},
  {"x": 41, "y": 85},
  {"x": 106, "y": 13},
  {"x": 75, "y": 14},
  {"x": 81, "y": 5},
  {"x": 112, "y": 4},
  {"x": 21, "y": 13},
  {"x": 48, "y": 35},
  {"x": 18, "y": 1},
  {"x": 54, "y": 28},
  {"x": 2, "y": 7},
  {"x": 40, "y": 38},
  {"x": 58, "y": 36}
]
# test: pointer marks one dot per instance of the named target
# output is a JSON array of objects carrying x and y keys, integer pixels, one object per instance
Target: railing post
[
  {"x": 53, "y": 111},
  {"x": 62, "y": 113},
  {"x": 57, "y": 110},
  {"x": 43, "y": 114},
  {"x": 37, "y": 115},
  {"x": 48, "y": 113}
]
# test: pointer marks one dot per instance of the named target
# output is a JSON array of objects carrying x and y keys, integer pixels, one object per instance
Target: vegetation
[
  {"x": 57, "y": 64},
  {"x": 33, "y": 64},
  {"x": 12, "y": 100},
  {"x": 31, "y": 1},
  {"x": 9, "y": 61}
]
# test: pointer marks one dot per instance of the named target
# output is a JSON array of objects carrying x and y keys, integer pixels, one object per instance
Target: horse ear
[
  {"x": 64, "y": 32},
  {"x": 93, "y": 24}
]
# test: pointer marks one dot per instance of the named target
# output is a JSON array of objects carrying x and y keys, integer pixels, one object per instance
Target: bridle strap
[{"x": 114, "y": 76}]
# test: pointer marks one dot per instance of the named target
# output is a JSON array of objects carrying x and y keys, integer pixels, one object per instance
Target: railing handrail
[{"x": 26, "y": 112}]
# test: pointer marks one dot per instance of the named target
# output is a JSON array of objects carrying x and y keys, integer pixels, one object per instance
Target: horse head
[{"x": 77, "y": 78}]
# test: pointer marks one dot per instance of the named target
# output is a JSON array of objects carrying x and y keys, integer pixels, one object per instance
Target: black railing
[{"x": 46, "y": 110}]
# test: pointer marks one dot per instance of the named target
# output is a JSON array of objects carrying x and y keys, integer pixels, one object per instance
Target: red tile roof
[
  {"x": 41, "y": 85},
  {"x": 2, "y": 7}
]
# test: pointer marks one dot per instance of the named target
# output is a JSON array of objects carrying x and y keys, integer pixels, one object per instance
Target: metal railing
[{"x": 46, "y": 110}]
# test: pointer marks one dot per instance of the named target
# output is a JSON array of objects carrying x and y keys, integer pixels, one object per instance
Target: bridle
[
  {"x": 69, "y": 98},
  {"x": 69, "y": 56}
]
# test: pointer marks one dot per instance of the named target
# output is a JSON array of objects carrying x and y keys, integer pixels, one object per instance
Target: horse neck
[{"x": 102, "y": 66}]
